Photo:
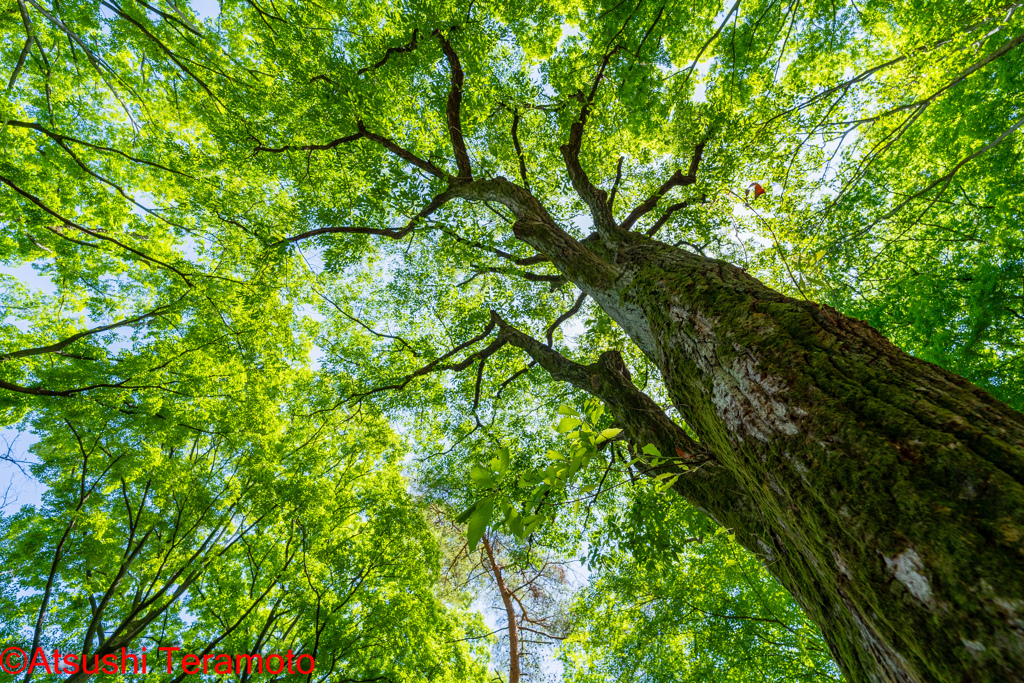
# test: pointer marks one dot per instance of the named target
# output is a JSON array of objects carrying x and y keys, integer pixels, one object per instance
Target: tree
[
  {"x": 189, "y": 530},
  {"x": 528, "y": 589},
  {"x": 447, "y": 161}
]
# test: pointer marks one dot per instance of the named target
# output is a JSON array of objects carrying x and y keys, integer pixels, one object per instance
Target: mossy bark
[{"x": 884, "y": 492}]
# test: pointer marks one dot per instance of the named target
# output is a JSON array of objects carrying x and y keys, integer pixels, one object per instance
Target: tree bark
[
  {"x": 885, "y": 493},
  {"x": 510, "y": 613}
]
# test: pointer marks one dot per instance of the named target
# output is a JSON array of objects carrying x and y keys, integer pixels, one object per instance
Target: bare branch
[
  {"x": 668, "y": 214},
  {"x": 946, "y": 179},
  {"x": 519, "y": 148},
  {"x": 525, "y": 274},
  {"x": 92, "y": 233},
  {"x": 308, "y": 148},
  {"x": 394, "y": 233},
  {"x": 677, "y": 180},
  {"x": 550, "y": 332},
  {"x": 454, "y": 108},
  {"x": 594, "y": 197},
  {"x": 718, "y": 31},
  {"x": 439, "y": 364},
  {"x": 58, "y": 346},
  {"x": 408, "y": 47},
  {"x": 403, "y": 153},
  {"x": 615, "y": 185}
]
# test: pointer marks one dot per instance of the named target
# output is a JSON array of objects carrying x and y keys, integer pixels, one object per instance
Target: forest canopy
[{"x": 320, "y": 331}]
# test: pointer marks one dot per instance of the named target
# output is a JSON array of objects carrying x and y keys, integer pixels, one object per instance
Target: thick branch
[
  {"x": 535, "y": 226},
  {"x": 519, "y": 148},
  {"x": 608, "y": 379},
  {"x": 593, "y": 197},
  {"x": 454, "y": 108}
]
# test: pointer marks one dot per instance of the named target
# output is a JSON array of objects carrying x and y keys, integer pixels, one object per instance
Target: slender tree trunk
[
  {"x": 510, "y": 612},
  {"x": 882, "y": 491}
]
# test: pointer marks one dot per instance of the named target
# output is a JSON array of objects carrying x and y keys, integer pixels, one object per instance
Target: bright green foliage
[
  {"x": 712, "y": 615},
  {"x": 255, "y": 524},
  {"x": 242, "y": 288}
]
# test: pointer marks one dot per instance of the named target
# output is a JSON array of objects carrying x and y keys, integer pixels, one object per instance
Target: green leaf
[
  {"x": 481, "y": 476},
  {"x": 461, "y": 519},
  {"x": 515, "y": 525},
  {"x": 668, "y": 483},
  {"x": 651, "y": 449},
  {"x": 478, "y": 522},
  {"x": 568, "y": 423},
  {"x": 608, "y": 434}
]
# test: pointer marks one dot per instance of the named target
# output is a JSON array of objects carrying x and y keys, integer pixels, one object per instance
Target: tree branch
[
  {"x": 58, "y": 346},
  {"x": 615, "y": 185},
  {"x": 608, "y": 379},
  {"x": 677, "y": 180},
  {"x": 652, "y": 231},
  {"x": 408, "y": 47},
  {"x": 402, "y": 153},
  {"x": 396, "y": 234},
  {"x": 92, "y": 233},
  {"x": 309, "y": 148},
  {"x": 519, "y": 148},
  {"x": 454, "y": 108},
  {"x": 593, "y": 197},
  {"x": 550, "y": 332}
]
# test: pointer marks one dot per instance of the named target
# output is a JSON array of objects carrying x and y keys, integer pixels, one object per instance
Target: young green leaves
[{"x": 534, "y": 496}]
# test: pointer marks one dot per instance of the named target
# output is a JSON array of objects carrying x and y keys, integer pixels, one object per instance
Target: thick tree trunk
[{"x": 885, "y": 493}]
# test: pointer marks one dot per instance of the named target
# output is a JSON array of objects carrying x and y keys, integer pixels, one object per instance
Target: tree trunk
[
  {"x": 510, "y": 613},
  {"x": 889, "y": 490},
  {"x": 882, "y": 491}
]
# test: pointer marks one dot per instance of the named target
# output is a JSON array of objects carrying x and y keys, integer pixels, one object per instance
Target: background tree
[{"x": 246, "y": 523}]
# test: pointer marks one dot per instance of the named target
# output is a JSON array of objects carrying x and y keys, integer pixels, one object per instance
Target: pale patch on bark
[
  {"x": 746, "y": 399},
  {"x": 629, "y": 317},
  {"x": 973, "y": 645},
  {"x": 908, "y": 570},
  {"x": 769, "y": 553},
  {"x": 841, "y": 564}
]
